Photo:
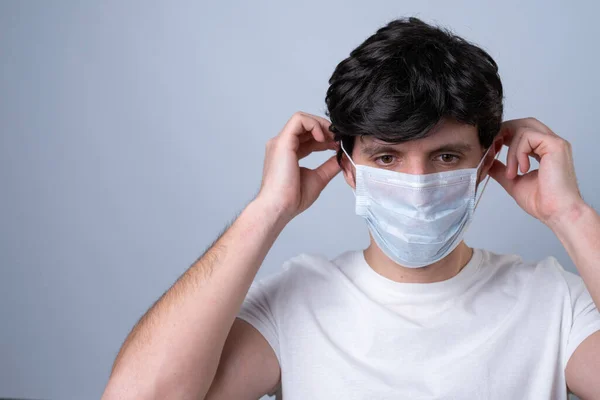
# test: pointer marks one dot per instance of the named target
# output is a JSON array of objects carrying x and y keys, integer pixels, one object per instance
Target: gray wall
[{"x": 131, "y": 133}]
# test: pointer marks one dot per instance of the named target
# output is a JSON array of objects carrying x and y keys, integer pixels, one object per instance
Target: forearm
[
  {"x": 579, "y": 232},
  {"x": 178, "y": 343}
]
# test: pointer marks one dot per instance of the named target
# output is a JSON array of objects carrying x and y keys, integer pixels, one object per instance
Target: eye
[
  {"x": 448, "y": 158},
  {"x": 385, "y": 159}
]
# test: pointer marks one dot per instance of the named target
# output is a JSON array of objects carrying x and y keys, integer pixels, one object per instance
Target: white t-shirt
[{"x": 501, "y": 328}]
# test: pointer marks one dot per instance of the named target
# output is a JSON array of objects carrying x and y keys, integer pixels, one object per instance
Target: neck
[{"x": 442, "y": 270}]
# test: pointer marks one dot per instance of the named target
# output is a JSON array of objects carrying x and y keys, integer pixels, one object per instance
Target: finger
[
  {"x": 508, "y": 129},
  {"x": 530, "y": 123},
  {"x": 517, "y": 123},
  {"x": 529, "y": 138},
  {"x": 522, "y": 156},
  {"x": 537, "y": 125},
  {"x": 327, "y": 171},
  {"x": 305, "y": 137},
  {"x": 532, "y": 145},
  {"x": 301, "y": 123},
  {"x": 308, "y": 136},
  {"x": 514, "y": 136},
  {"x": 498, "y": 173},
  {"x": 309, "y": 147},
  {"x": 324, "y": 120},
  {"x": 325, "y": 125}
]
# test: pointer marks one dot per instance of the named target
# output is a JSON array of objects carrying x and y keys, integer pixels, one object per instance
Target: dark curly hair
[{"x": 400, "y": 82}]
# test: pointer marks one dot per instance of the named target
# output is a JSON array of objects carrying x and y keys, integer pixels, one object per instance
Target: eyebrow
[
  {"x": 372, "y": 149},
  {"x": 454, "y": 147}
]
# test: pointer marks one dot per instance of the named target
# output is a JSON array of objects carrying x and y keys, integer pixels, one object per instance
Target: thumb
[
  {"x": 327, "y": 171},
  {"x": 498, "y": 173},
  {"x": 318, "y": 178},
  {"x": 315, "y": 180}
]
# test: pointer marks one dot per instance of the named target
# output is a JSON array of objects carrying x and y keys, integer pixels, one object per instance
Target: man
[{"x": 416, "y": 120}]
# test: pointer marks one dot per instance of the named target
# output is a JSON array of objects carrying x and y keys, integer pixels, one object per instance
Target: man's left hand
[{"x": 548, "y": 193}]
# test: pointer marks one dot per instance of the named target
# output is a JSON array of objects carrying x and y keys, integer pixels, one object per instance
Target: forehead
[{"x": 446, "y": 133}]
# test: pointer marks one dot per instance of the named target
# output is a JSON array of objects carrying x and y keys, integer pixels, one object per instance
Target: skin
[{"x": 190, "y": 345}]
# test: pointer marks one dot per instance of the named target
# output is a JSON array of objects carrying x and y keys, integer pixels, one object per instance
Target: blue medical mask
[{"x": 416, "y": 220}]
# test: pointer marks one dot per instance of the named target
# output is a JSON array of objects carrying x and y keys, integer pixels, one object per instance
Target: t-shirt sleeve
[
  {"x": 260, "y": 309},
  {"x": 585, "y": 318}
]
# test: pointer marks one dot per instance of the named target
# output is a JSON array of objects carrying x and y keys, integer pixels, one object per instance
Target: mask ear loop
[
  {"x": 349, "y": 158},
  {"x": 346, "y": 153},
  {"x": 488, "y": 177}
]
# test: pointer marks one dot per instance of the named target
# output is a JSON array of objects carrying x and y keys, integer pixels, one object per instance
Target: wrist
[
  {"x": 272, "y": 214},
  {"x": 569, "y": 218}
]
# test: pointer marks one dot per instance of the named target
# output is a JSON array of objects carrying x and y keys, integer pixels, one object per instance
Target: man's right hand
[
  {"x": 287, "y": 187},
  {"x": 160, "y": 341}
]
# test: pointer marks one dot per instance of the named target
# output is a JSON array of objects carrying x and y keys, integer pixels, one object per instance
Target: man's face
[{"x": 450, "y": 146}]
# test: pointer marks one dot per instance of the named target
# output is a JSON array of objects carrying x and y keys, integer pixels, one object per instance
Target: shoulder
[
  {"x": 542, "y": 274},
  {"x": 302, "y": 271},
  {"x": 310, "y": 268}
]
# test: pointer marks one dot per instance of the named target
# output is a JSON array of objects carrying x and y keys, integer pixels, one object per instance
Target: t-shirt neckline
[{"x": 369, "y": 279}]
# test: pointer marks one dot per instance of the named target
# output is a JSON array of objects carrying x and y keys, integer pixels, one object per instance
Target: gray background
[{"x": 132, "y": 132}]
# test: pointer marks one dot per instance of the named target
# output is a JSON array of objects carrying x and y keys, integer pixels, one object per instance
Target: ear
[
  {"x": 496, "y": 147},
  {"x": 348, "y": 169}
]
